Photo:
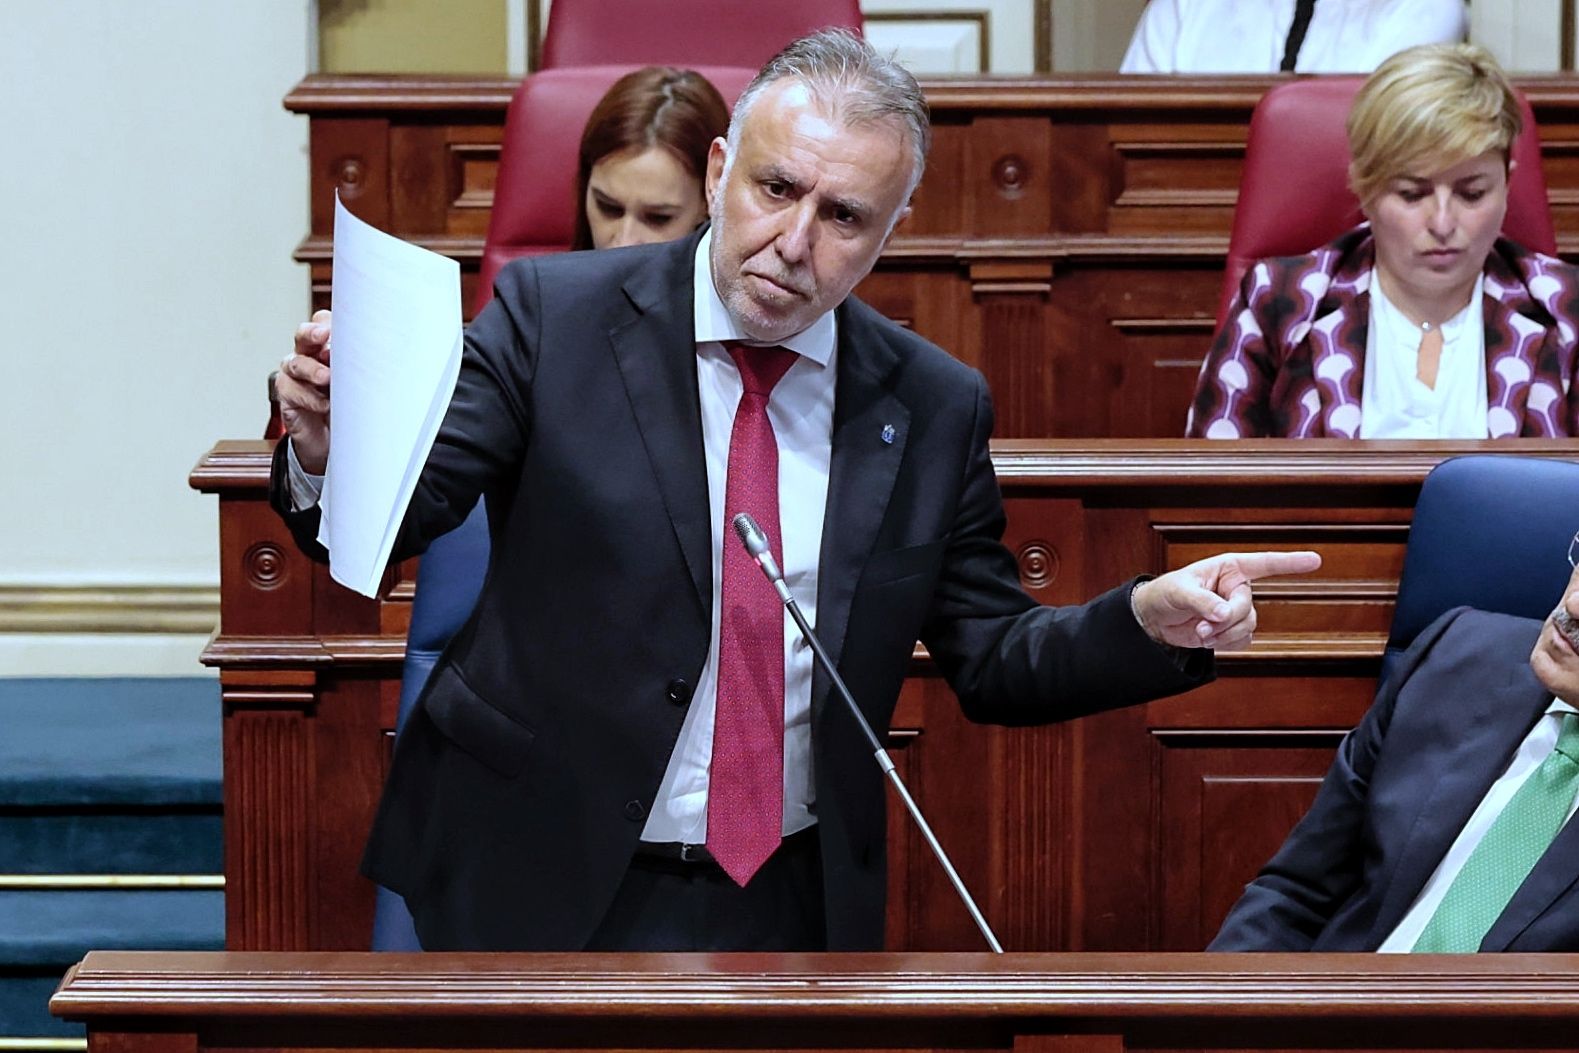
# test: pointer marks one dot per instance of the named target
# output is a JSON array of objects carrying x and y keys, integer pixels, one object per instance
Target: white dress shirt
[
  {"x": 801, "y": 411},
  {"x": 1248, "y": 36},
  {"x": 1395, "y": 403},
  {"x": 1535, "y": 748}
]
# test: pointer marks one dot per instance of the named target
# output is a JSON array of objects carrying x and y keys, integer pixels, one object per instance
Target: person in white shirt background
[{"x": 1302, "y": 36}]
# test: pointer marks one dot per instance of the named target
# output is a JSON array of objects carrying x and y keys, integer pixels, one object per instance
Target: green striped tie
[{"x": 1508, "y": 852}]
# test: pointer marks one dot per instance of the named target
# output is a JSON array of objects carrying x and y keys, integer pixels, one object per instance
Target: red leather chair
[
  {"x": 684, "y": 32},
  {"x": 1294, "y": 192},
  {"x": 534, "y": 208}
]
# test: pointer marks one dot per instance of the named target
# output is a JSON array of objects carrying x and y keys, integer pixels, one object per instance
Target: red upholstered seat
[
  {"x": 684, "y": 32},
  {"x": 534, "y": 206},
  {"x": 1294, "y": 192}
]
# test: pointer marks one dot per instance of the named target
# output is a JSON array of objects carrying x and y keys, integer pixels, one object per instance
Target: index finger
[{"x": 1255, "y": 565}]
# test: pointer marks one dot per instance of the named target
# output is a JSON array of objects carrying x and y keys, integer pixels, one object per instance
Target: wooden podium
[{"x": 1092, "y": 1003}]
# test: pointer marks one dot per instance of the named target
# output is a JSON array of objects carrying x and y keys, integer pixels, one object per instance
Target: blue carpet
[
  {"x": 24, "y": 1005},
  {"x": 103, "y": 776},
  {"x": 109, "y": 741},
  {"x": 57, "y": 927},
  {"x": 172, "y": 839}
]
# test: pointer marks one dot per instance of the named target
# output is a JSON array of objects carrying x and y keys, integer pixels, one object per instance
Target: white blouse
[{"x": 1394, "y": 404}]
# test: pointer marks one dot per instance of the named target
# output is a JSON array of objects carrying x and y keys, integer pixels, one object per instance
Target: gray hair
[{"x": 853, "y": 82}]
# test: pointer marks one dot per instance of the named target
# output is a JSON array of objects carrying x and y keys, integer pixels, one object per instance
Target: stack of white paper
[{"x": 397, "y": 352}]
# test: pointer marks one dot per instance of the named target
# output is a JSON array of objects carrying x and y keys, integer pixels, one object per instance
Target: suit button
[
  {"x": 678, "y": 692},
  {"x": 634, "y": 811}
]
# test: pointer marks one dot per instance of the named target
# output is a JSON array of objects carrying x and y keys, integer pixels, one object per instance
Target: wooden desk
[
  {"x": 1131, "y": 830},
  {"x": 1068, "y": 239},
  {"x": 1099, "y": 1003}
]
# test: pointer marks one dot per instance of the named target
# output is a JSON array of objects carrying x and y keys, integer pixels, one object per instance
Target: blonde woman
[{"x": 1423, "y": 322}]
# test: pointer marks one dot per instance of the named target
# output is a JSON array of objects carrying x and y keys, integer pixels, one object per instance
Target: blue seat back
[
  {"x": 1490, "y": 532},
  {"x": 448, "y": 582}
]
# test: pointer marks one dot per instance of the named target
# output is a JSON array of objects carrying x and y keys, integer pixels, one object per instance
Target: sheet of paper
[{"x": 396, "y": 354}]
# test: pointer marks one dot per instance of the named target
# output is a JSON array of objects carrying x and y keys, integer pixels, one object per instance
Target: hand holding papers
[{"x": 397, "y": 352}]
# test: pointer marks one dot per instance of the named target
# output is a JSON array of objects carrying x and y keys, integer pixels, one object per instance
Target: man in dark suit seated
[
  {"x": 627, "y": 746},
  {"x": 1442, "y": 825}
]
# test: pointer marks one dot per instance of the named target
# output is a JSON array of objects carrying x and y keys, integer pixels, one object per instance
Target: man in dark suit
[
  {"x": 1443, "y": 823},
  {"x": 627, "y": 745}
]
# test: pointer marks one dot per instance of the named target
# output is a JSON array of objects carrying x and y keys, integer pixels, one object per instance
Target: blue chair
[
  {"x": 1490, "y": 532},
  {"x": 448, "y": 582}
]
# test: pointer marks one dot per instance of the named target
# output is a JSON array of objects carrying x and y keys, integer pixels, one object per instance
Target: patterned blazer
[{"x": 1290, "y": 360}]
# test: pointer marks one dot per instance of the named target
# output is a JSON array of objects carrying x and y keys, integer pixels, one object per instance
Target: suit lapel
[
  {"x": 1501, "y": 710},
  {"x": 656, "y": 354},
  {"x": 870, "y": 428}
]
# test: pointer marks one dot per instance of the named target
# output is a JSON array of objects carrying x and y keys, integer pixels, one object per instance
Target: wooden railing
[{"x": 1091, "y": 1003}]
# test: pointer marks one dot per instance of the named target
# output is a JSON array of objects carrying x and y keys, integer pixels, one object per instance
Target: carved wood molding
[
  {"x": 1019, "y": 276},
  {"x": 318, "y": 249},
  {"x": 243, "y": 464},
  {"x": 268, "y": 852},
  {"x": 980, "y": 986},
  {"x": 1092, "y": 463},
  {"x": 1037, "y": 832},
  {"x": 233, "y": 464},
  {"x": 227, "y": 650},
  {"x": 326, "y": 94}
]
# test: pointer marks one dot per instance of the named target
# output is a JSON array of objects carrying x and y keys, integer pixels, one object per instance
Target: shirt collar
[
  {"x": 712, "y": 320},
  {"x": 1559, "y": 706}
]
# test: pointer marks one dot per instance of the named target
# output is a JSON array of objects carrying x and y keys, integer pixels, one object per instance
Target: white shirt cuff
[{"x": 305, "y": 488}]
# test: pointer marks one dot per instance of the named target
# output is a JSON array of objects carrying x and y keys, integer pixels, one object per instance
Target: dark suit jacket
[
  {"x": 1404, "y": 783},
  {"x": 521, "y": 784}
]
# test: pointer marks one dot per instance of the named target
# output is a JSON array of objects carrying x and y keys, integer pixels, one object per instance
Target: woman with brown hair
[{"x": 643, "y": 156}]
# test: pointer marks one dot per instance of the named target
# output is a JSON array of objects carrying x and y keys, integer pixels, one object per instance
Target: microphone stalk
[{"x": 756, "y": 544}]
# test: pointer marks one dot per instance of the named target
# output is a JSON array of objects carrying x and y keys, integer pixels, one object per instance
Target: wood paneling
[
  {"x": 1129, "y": 830},
  {"x": 1068, "y": 238},
  {"x": 187, "y": 1002},
  {"x": 1226, "y": 799}
]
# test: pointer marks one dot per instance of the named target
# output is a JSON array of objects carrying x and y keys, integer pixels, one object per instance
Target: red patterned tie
[{"x": 745, "y": 794}]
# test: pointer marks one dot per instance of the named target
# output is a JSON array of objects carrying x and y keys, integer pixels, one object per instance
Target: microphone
[{"x": 756, "y": 543}]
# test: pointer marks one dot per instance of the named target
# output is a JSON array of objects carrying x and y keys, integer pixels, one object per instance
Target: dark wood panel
[
  {"x": 949, "y": 765},
  {"x": 1227, "y": 800}
]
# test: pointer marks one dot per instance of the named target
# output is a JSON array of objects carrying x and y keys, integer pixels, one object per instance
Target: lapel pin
[{"x": 888, "y": 434}]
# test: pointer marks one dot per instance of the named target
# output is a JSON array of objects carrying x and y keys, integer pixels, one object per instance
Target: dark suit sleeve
[
  {"x": 1318, "y": 868},
  {"x": 484, "y": 431},
  {"x": 1012, "y": 661}
]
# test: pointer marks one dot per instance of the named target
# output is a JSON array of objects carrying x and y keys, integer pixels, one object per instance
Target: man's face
[
  {"x": 807, "y": 207},
  {"x": 1556, "y": 655}
]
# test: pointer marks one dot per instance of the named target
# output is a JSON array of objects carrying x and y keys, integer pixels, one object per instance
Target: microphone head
[{"x": 751, "y": 535}]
